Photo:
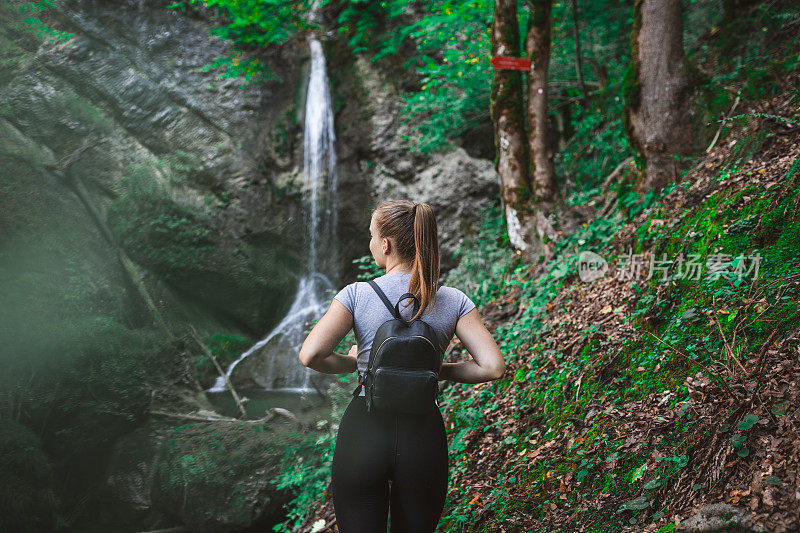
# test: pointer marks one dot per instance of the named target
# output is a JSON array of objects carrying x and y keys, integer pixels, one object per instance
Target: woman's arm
[
  {"x": 317, "y": 350},
  {"x": 487, "y": 361},
  {"x": 336, "y": 363}
]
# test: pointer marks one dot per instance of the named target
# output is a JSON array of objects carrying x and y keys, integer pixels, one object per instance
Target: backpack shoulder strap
[
  {"x": 388, "y": 304},
  {"x": 385, "y": 300}
]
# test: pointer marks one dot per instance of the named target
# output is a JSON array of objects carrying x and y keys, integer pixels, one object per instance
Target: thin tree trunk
[
  {"x": 656, "y": 91},
  {"x": 601, "y": 72},
  {"x": 542, "y": 171},
  {"x": 547, "y": 202},
  {"x": 577, "y": 35},
  {"x": 507, "y": 110}
]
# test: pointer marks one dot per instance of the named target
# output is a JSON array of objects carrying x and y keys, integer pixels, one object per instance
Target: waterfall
[
  {"x": 279, "y": 367},
  {"x": 319, "y": 163}
]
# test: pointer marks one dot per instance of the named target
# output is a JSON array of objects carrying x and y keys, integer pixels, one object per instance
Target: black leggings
[{"x": 375, "y": 448}]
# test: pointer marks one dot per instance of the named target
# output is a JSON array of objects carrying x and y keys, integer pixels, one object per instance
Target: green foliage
[
  {"x": 485, "y": 258},
  {"x": 19, "y": 15},
  {"x": 365, "y": 24},
  {"x": 454, "y": 77},
  {"x": 452, "y": 67},
  {"x": 368, "y": 269},
  {"x": 98, "y": 387},
  {"x": 747, "y": 422},
  {"x": 755, "y": 64},
  {"x": 222, "y": 468},
  {"x": 597, "y": 146},
  {"x": 307, "y": 468},
  {"x": 226, "y": 349},
  {"x": 157, "y": 232},
  {"x": 247, "y": 24}
]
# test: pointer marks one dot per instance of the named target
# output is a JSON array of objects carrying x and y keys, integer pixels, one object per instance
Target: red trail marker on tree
[{"x": 512, "y": 63}]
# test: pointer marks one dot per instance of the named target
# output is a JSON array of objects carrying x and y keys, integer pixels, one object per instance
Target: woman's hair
[{"x": 413, "y": 229}]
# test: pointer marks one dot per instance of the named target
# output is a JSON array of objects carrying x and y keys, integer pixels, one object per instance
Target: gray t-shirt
[{"x": 369, "y": 311}]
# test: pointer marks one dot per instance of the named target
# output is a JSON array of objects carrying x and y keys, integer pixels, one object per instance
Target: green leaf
[
  {"x": 680, "y": 460},
  {"x": 743, "y": 452},
  {"x": 653, "y": 484},
  {"x": 773, "y": 480},
  {"x": 636, "y": 504},
  {"x": 747, "y": 422},
  {"x": 738, "y": 440},
  {"x": 779, "y": 409}
]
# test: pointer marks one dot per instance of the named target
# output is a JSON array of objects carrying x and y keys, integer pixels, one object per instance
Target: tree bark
[
  {"x": 656, "y": 91},
  {"x": 537, "y": 45},
  {"x": 601, "y": 72},
  {"x": 511, "y": 158},
  {"x": 549, "y": 209}
]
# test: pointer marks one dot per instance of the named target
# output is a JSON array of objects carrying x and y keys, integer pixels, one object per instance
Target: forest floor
[
  {"x": 601, "y": 423},
  {"x": 673, "y": 458}
]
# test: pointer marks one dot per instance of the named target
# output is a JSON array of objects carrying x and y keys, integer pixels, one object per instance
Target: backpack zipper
[
  {"x": 386, "y": 339},
  {"x": 395, "y": 336},
  {"x": 427, "y": 339}
]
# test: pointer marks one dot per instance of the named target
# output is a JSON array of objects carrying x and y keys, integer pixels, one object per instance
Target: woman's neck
[{"x": 398, "y": 269}]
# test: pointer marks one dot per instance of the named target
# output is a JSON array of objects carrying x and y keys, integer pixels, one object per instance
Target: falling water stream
[{"x": 281, "y": 370}]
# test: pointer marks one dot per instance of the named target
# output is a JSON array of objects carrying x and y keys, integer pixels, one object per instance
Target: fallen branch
[
  {"x": 728, "y": 347},
  {"x": 176, "y": 529},
  {"x": 764, "y": 347},
  {"x": 187, "y": 416},
  {"x": 716, "y": 137},
  {"x": 616, "y": 172},
  {"x": 219, "y": 369},
  {"x": 272, "y": 413},
  {"x": 609, "y": 203}
]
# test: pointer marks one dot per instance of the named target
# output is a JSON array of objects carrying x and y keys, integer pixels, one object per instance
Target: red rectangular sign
[{"x": 512, "y": 63}]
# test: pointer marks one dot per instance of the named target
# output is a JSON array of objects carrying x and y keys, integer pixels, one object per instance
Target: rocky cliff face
[
  {"x": 200, "y": 180},
  {"x": 173, "y": 160}
]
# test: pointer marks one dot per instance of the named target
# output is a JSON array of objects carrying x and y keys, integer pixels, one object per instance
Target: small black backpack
[{"x": 403, "y": 370}]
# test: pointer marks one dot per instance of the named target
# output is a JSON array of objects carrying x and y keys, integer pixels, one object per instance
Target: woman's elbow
[
  {"x": 497, "y": 370},
  {"x": 307, "y": 359}
]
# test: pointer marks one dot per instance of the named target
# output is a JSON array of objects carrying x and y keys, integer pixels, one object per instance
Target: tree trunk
[
  {"x": 577, "y": 37},
  {"x": 511, "y": 159},
  {"x": 656, "y": 92},
  {"x": 601, "y": 72},
  {"x": 549, "y": 209},
  {"x": 537, "y": 44}
]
